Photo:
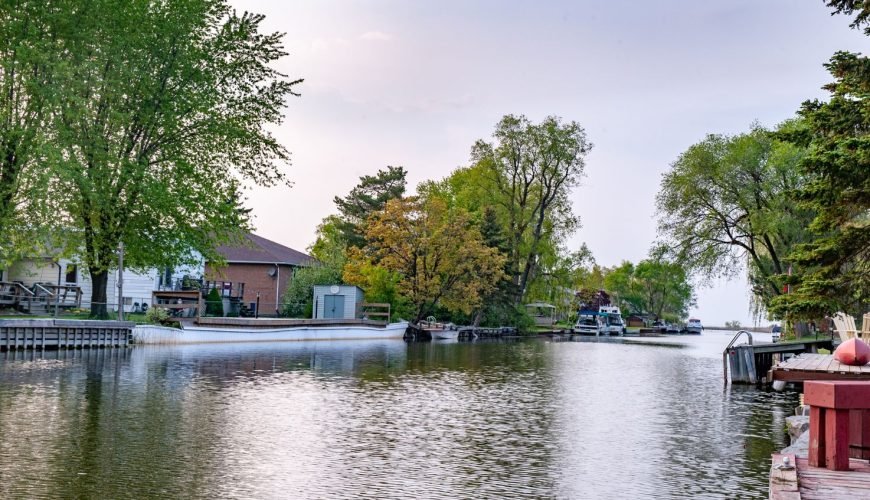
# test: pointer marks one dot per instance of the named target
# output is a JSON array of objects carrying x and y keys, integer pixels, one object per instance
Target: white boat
[
  {"x": 611, "y": 320},
  {"x": 194, "y": 334},
  {"x": 588, "y": 324},
  {"x": 444, "y": 334},
  {"x": 694, "y": 326}
]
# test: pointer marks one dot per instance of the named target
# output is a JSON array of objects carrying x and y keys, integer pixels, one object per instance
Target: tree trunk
[{"x": 99, "y": 284}]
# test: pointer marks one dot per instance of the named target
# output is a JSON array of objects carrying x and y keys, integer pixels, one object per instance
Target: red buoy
[{"x": 853, "y": 352}]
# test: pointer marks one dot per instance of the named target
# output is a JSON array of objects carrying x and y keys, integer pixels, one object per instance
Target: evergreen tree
[{"x": 832, "y": 272}]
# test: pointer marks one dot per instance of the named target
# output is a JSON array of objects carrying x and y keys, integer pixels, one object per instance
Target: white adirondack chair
[
  {"x": 865, "y": 328},
  {"x": 845, "y": 326}
]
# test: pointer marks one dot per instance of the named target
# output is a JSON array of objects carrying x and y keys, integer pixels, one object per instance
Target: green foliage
[
  {"x": 369, "y": 196},
  {"x": 299, "y": 298},
  {"x": 381, "y": 286},
  {"x": 330, "y": 248},
  {"x": 654, "y": 286},
  {"x": 726, "y": 202},
  {"x": 162, "y": 110},
  {"x": 437, "y": 253},
  {"x": 833, "y": 269},
  {"x": 214, "y": 304},
  {"x": 859, "y": 7},
  {"x": 31, "y": 35},
  {"x": 732, "y": 325},
  {"x": 157, "y": 316},
  {"x": 530, "y": 170}
]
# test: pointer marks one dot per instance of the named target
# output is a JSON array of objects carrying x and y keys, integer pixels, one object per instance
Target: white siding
[
  {"x": 30, "y": 271},
  {"x": 352, "y": 296},
  {"x": 137, "y": 286}
]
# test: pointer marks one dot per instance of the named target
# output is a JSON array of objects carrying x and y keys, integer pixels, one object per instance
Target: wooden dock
[
  {"x": 817, "y": 367},
  {"x": 751, "y": 363},
  {"x": 24, "y": 334},
  {"x": 802, "y": 482}
]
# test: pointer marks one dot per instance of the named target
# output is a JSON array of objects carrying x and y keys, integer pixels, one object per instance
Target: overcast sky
[{"x": 415, "y": 83}]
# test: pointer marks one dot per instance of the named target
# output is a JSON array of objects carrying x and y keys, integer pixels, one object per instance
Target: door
[{"x": 333, "y": 306}]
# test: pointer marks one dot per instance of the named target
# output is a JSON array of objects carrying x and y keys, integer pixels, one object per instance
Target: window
[{"x": 128, "y": 301}]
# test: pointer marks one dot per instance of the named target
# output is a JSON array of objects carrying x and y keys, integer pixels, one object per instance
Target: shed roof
[{"x": 259, "y": 250}]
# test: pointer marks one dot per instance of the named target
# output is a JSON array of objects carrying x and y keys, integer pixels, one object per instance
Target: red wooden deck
[
  {"x": 814, "y": 483},
  {"x": 817, "y": 367}
]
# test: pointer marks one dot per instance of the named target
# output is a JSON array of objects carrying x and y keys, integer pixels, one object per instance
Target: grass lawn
[{"x": 74, "y": 314}]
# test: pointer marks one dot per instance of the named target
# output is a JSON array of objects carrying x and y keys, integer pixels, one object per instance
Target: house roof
[{"x": 259, "y": 250}]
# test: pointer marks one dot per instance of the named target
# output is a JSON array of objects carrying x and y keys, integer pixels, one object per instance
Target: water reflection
[{"x": 385, "y": 419}]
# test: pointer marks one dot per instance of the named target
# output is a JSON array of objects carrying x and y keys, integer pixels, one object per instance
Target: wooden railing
[{"x": 375, "y": 311}]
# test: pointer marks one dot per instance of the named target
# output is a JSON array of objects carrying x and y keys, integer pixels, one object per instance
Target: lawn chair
[
  {"x": 865, "y": 328},
  {"x": 845, "y": 326}
]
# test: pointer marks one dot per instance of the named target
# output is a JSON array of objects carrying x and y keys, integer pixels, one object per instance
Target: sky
[{"x": 415, "y": 83}]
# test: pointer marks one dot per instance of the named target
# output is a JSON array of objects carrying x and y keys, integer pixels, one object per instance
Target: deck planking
[
  {"x": 818, "y": 367},
  {"x": 815, "y": 483}
]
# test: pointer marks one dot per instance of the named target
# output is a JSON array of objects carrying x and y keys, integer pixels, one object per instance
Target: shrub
[
  {"x": 157, "y": 316},
  {"x": 214, "y": 304}
]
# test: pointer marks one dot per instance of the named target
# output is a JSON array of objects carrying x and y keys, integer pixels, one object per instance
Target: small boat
[
  {"x": 694, "y": 326},
  {"x": 853, "y": 352},
  {"x": 444, "y": 334}
]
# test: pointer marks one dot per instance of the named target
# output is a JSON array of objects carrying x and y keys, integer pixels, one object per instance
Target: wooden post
[
  {"x": 859, "y": 434},
  {"x": 121, "y": 281},
  {"x": 837, "y": 440}
]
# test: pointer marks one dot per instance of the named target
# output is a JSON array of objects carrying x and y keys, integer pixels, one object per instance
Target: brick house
[{"x": 265, "y": 267}]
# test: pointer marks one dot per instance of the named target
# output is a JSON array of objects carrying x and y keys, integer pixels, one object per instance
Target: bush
[
  {"x": 157, "y": 316},
  {"x": 214, "y": 304},
  {"x": 298, "y": 300}
]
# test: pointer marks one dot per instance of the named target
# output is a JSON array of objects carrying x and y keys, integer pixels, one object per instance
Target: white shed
[{"x": 337, "y": 301}]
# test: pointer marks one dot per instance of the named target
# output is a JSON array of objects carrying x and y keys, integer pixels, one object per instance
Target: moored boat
[
  {"x": 194, "y": 334},
  {"x": 611, "y": 320},
  {"x": 588, "y": 323},
  {"x": 694, "y": 326}
]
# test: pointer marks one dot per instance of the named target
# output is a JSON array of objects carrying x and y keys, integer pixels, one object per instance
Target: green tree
[
  {"x": 625, "y": 288},
  {"x": 299, "y": 298},
  {"x": 654, "y": 286},
  {"x": 214, "y": 304},
  {"x": 438, "y": 254},
  {"x": 726, "y": 202},
  {"x": 664, "y": 288},
  {"x": 330, "y": 247},
  {"x": 832, "y": 271},
  {"x": 163, "y": 113},
  {"x": 532, "y": 168},
  {"x": 30, "y": 39},
  {"x": 369, "y": 196}
]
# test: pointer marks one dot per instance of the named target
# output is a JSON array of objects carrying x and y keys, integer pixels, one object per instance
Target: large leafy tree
[
  {"x": 30, "y": 39},
  {"x": 834, "y": 268},
  {"x": 163, "y": 115},
  {"x": 438, "y": 255},
  {"x": 655, "y": 286},
  {"x": 532, "y": 168},
  {"x": 726, "y": 202}
]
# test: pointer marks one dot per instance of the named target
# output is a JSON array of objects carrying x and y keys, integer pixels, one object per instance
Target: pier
[
  {"x": 752, "y": 363},
  {"x": 24, "y": 334},
  {"x": 817, "y": 367},
  {"x": 796, "y": 480}
]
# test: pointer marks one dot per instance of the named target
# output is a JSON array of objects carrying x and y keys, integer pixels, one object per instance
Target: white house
[{"x": 137, "y": 286}]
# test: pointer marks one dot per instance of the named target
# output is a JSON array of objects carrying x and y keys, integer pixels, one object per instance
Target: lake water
[{"x": 645, "y": 418}]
